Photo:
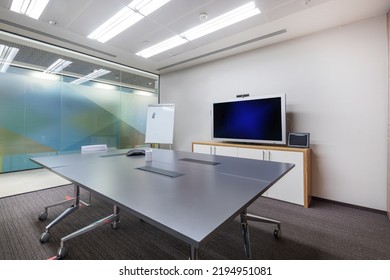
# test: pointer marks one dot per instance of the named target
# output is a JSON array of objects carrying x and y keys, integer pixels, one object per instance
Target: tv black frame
[{"x": 282, "y": 141}]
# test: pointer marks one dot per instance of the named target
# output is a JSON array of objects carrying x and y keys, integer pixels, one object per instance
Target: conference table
[{"x": 188, "y": 195}]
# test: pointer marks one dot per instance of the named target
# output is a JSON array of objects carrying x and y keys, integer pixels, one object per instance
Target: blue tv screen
[{"x": 257, "y": 120}]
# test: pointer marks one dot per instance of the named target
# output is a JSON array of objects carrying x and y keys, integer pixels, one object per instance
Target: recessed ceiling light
[
  {"x": 95, "y": 74},
  {"x": 30, "y": 8},
  {"x": 57, "y": 66},
  {"x": 128, "y": 16},
  {"x": 7, "y": 55},
  {"x": 163, "y": 46},
  {"x": 239, "y": 14},
  {"x": 229, "y": 18}
]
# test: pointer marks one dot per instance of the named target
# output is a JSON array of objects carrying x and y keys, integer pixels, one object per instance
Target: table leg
[
  {"x": 46, "y": 235},
  {"x": 194, "y": 253},
  {"x": 113, "y": 218},
  {"x": 245, "y": 217},
  {"x": 115, "y": 222},
  {"x": 245, "y": 234}
]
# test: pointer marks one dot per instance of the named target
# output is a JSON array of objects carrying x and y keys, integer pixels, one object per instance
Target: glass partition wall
[{"x": 53, "y": 101}]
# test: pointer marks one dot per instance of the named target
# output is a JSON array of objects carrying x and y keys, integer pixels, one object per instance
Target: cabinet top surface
[{"x": 252, "y": 146}]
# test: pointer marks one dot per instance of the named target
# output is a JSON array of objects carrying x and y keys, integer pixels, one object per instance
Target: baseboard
[{"x": 352, "y": 205}]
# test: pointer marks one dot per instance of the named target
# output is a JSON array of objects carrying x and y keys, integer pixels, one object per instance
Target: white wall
[{"x": 336, "y": 87}]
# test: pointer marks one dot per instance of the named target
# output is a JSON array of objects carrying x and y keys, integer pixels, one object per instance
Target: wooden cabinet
[{"x": 294, "y": 187}]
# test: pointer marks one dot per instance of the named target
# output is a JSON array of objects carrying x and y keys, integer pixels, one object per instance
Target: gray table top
[{"x": 196, "y": 195}]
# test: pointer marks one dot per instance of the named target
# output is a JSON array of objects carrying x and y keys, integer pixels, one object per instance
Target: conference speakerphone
[
  {"x": 299, "y": 140},
  {"x": 135, "y": 152}
]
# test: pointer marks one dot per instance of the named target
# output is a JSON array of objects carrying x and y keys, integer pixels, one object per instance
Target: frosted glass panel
[{"x": 44, "y": 114}]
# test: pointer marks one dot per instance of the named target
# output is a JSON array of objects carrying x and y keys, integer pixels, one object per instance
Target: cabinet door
[
  {"x": 202, "y": 149},
  {"x": 291, "y": 186},
  {"x": 225, "y": 151},
  {"x": 215, "y": 150},
  {"x": 251, "y": 153},
  {"x": 258, "y": 154}
]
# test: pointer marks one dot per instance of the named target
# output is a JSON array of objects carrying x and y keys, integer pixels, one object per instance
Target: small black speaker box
[{"x": 300, "y": 140}]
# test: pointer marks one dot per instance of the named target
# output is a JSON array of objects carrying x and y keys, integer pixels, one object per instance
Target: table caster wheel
[
  {"x": 42, "y": 216},
  {"x": 44, "y": 237},
  {"x": 61, "y": 253},
  {"x": 277, "y": 233}
]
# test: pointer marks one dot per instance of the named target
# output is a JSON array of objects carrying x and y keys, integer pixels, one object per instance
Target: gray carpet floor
[{"x": 325, "y": 231}]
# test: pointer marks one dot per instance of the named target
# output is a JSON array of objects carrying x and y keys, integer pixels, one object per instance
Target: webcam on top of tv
[{"x": 242, "y": 95}]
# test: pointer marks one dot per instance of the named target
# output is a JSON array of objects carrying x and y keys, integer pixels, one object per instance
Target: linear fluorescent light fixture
[
  {"x": 128, "y": 16},
  {"x": 163, "y": 46},
  {"x": 7, "y": 55},
  {"x": 95, "y": 74},
  {"x": 30, "y": 8},
  {"x": 57, "y": 66},
  {"x": 239, "y": 14}
]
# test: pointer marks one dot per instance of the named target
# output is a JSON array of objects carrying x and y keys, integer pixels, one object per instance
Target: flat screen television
[{"x": 260, "y": 119}]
